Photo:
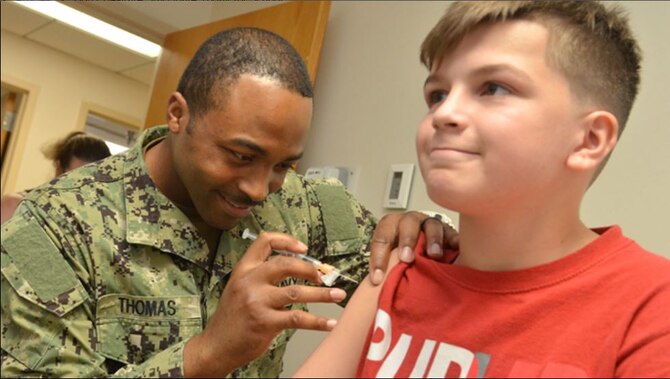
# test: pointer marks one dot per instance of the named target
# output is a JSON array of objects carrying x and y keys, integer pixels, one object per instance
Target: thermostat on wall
[{"x": 398, "y": 185}]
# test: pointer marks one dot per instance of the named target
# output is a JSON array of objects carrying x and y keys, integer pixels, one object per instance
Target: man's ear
[
  {"x": 177, "y": 113},
  {"x": 597, "y": 138}
]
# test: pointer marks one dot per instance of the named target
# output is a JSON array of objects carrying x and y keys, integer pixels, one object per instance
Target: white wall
[
  {"x": 63, "y": 85},
  {"x": 369, "y": 102}
]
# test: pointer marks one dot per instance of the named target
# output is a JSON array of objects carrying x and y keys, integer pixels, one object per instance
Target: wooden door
[{"x": 302, "y": 23}]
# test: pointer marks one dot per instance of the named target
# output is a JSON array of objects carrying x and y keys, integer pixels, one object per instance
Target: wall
[
  {"x": 368, "y": 103},
  {"x": 63, "y": 85}
]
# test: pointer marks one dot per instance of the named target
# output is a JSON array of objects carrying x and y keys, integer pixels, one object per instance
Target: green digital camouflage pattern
[{"x": 103, "y": 276}]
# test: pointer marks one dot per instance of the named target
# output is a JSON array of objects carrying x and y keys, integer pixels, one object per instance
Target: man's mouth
[
  {"x": 236, "y": 205},
  {"x": 236, "y": 208}
]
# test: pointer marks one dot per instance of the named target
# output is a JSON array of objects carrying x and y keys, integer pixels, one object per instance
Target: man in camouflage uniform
[{"x": 135, "y": 265}]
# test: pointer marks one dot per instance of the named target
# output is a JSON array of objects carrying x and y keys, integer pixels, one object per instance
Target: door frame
[{"x": 22, "y": 124}]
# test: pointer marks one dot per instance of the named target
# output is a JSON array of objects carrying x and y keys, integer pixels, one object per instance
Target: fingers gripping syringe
[{"x": 328, "y": 273}]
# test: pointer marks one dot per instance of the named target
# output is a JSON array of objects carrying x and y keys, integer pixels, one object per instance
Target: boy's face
[{"x": 500, "y": 123}]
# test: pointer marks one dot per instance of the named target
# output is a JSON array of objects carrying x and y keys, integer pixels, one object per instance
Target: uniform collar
[{"x": 151, "y": 218}]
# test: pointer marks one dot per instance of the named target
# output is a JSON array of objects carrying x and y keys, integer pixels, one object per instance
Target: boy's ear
[
  {"x": 177, "y": 113},
  {"x": 597, "y": 138}
]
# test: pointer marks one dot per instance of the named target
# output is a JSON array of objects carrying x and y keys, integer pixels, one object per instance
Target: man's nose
[{"x": 259, "y": 185}]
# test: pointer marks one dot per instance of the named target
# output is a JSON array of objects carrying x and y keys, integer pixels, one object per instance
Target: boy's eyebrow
[
  {"x": 432, "y": 78},
  {"x": 259, "y": 150},
  {"x": 484, "y": 70},
  {"x": 494, "y": 68}
]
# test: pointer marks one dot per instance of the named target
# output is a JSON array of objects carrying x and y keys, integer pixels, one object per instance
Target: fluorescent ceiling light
[{"x": 94, "y": 26}]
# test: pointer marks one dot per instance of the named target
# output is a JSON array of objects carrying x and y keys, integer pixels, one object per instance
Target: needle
[{"x": 329, "y": 273}]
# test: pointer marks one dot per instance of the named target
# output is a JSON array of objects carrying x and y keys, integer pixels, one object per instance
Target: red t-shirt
[{"x": 603, "y": 311}]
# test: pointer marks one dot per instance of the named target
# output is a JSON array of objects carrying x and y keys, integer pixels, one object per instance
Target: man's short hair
[{"x": 220, "y": 61}]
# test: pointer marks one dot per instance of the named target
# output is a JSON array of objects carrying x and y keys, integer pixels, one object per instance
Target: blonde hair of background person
[
  {"x": 526, "y": 101},
  {"x": 72, "y": 151}
]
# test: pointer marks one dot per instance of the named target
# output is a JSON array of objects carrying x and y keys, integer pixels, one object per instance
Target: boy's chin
[
  {"x": 453, "y": 198},
  {"x": 442, "y": 197}
]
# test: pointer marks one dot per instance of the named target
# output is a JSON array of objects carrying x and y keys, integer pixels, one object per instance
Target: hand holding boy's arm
[
  {"x": 401, "y": 230},
  {"x": 253, "y": 310}
]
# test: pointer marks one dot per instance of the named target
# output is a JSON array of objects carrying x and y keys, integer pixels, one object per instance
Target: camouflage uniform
[{"x": 102, "y": 275}]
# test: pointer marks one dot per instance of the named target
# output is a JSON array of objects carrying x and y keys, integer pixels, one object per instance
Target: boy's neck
[{"x": 519, "y": 241}]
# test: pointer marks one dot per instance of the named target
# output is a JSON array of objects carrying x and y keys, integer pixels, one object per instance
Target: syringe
[{"x": 328, "y": 273}]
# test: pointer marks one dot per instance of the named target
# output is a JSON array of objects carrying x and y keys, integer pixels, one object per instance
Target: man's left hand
[{"x": 401, "y": 230}]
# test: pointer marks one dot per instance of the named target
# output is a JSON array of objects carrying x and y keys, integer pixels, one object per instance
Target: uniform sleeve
[
  {"x": 48, "y": 322},
  {"x": 341, "y": 230}
]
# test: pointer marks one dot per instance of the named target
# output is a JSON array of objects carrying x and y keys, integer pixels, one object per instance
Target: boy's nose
[{"x": 451, "y": 111}]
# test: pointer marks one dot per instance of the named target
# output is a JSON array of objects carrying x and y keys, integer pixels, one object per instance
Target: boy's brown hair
[{"x": 590, "y": 44}]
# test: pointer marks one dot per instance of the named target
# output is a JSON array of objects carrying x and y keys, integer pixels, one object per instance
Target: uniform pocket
[
  {"x": 133, "y": 328},
  {"x": 339, "y": 220}
]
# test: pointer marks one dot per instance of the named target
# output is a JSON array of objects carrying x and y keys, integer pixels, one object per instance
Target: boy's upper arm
[{"x": 339, "y": 353}]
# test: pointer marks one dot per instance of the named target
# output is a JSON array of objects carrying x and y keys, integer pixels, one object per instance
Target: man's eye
[
  {"x": 285, "y": 166},
  {"x": 435, "y": 97},
  {"x": 241, "y": 157},
  {"x": 495, "y": 89}
]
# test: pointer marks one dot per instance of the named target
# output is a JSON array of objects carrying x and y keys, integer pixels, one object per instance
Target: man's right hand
[{"x": 253, "y": 309}]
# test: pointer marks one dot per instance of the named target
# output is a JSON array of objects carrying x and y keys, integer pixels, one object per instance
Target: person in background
[
  {"x": 144, "y": 271},
  {"x": 73, "y": 151},
  {"x": 526, "y": 101}
]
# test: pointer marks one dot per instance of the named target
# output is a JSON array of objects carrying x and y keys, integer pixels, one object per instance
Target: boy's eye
[
  {"x": 435, "y": 97},
  {"x": 494, "y": 89}
]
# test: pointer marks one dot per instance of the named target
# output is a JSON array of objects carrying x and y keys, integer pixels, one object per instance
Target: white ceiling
[{"x": 152, "y": 20}]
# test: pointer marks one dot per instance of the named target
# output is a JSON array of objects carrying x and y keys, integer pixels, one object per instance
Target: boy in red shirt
[{"x": 526, "y": 101}]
